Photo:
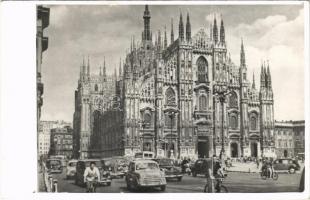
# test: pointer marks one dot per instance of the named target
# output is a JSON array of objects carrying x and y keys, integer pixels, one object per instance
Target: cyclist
[
  {"x": 218, "y": 173},
  {"x": 91, "y": 174}
]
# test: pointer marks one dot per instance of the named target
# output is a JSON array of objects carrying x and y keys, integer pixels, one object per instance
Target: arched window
[
  {"x": 147, "y": 119},
  {"x": 233, "y": 122},
  {"x": 202, "y": 66},
  {"x": 170, "y": 97},
  {"x": 96, "y": 87},
  {"x": 203, "y": 103},
  {"x": 170, "y": 122},
  {"x": 233, "y": 100},
  {"x": 253, "y": 123}
]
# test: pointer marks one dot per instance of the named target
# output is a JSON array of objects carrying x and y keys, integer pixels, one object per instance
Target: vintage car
[
  {"x": 117, "y": 167},
  {"x": 145, "y": 173},
  {"x": 169, "y": 167},
  {"x": 71, "y": 169},
  {"x": 54, "y": 165},
  {"x": 81, "y": 165},
  {"x": 286, "y": 164},
  {"x": 201, "y": 166}
]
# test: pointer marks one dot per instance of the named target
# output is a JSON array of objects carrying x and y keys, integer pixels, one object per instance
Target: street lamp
[
  {"x": 143, "y": 124},
  {"x": 221, "y": 91}
]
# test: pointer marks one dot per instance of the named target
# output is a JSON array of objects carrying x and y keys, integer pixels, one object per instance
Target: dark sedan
[{"x": 171, "y": 170}]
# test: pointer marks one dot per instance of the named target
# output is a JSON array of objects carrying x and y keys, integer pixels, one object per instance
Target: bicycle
[
  {"x": 91, "y": 186},
  {"x": 266, "y": 174},
  {"x": 221, "y": 188}
]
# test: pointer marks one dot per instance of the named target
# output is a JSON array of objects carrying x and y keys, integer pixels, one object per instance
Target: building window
[
  {"x": 203, "y": 102},
  {"x": 168, "y": 121},
  {"x": 279, "y": 143},
  {"x": 233, "y": 100},
  {"x": 170, "y": 97},
  {"x": 96, "y": 87},
  {"x": 147, "y": 119},
  {"x": 253, "y": 123},
  {"x": 202, "y": 65},
  {"x": 233, "y": 121}
]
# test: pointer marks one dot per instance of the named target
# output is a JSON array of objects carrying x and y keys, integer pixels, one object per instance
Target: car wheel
[
  {"x": 163, "y": 188},
  {"x": 179, "y": 178},
  {"x": 194, "y": 174},
  {"x": 108, "y": 183},
  {"x": 291, "y": 170}
]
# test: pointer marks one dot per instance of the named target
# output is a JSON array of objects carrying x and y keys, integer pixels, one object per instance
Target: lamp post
[
  {"x": 171, "y": 116},
  {"x": 222, "y": 91}
]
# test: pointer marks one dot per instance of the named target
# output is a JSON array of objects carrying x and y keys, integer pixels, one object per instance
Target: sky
[{"x": 270, "y": 32}]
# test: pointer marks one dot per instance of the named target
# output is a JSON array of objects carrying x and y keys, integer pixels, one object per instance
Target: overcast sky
[{"x": 270, "y": 32}]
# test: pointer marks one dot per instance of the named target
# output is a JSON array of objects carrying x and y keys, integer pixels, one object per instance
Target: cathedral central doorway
[
  {"x": 253, "y": 149},
  {"x": 203, "y": 148},
  {"x": 234, "y": 150}
]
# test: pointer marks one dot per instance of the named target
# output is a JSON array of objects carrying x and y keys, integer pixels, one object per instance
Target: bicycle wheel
[
  {"x": 223, "y": 189},
  {"x": 275, "y": 176},
  {"x": 206, "y": 188}
]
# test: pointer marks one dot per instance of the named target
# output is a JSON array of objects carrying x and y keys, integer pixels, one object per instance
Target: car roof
[
  {"x": 89, "y": 160},
  {"x": 144, "y": 161}
]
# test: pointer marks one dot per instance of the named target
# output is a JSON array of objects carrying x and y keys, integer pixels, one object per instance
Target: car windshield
[
  {"x": 142, "y": 166},
  {"x": 285, "y": 161},
  {"x": 53, "y": 162},
  {"x": 72, "y": 164},
  {"x": 166, "y": 162}
]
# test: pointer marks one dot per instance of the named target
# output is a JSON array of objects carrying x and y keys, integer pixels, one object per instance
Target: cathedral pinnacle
[
  {"x": 165, "y": 39},
  {"x": 188, "y": 28},
  {"x": 172, "y": 34},
  {"x": 181, "y": 28},
  {"x": 242, "y": 55},
  {"x": 147, "y": 17},
  {"x": 222, "y": 32},
  {"x": 215, "y": 31}
]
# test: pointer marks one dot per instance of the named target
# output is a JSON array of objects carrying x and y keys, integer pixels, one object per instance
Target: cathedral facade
[{"x": 182, "y": 99}]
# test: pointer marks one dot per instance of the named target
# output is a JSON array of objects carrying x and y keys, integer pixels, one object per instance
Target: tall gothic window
[
  {"x": 253, "y": 123},
  {"x": 147, "y": 119},
  {"x": 233, "y": 122},
  {"x": 202, "y": 66},
  {"x": 96, "y": 87},
  {"x": 169, "y": 121},
  {"x": 170, "y": 97},
  {"x": 203, "y": 102},
  {"x": 233, "y": 100}
]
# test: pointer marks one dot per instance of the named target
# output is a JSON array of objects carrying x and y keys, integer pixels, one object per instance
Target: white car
[{"x": 71, "y": 169}]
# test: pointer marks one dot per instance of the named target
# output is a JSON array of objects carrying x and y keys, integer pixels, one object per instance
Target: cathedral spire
[
  {"x": 147, "y": 17},
  {"x": 215, "y": 31},
  {"x": 253, "y": 83},
  {"x": 181, "y": 28},
  {"x": 262, "y": 77},
  {"x": 188, "y": 29},
  {"x": 242, "y": 55},
  {"x": 88, "y": 67},
  {"x": 159, "y": 40},
  {"x": 172, "y": 34},
  {"x": 222, "y": 32},
  {"x": 268, "y": 76},
  {"x": 165, "y": 39}
]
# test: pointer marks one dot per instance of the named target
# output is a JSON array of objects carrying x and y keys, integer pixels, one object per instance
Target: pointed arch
[
  {"x": 202, "y": 69},
  {"x": 233, "y": 100},
  {"x": 170, "y": 97}
]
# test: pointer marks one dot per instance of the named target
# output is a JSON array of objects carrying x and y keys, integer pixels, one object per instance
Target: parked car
[
  {"x": 145, "y": 173},
  {"x": 71, "y": 169},
  {"x": 117, "y": 167},
  {"x": 54, "y": 165},
  {"x": 62, "y": 158},
  {"x": 169, "y": 167},
  {"x": 286, "y": 164},
  {"x": 201, "y": 166},
  {"x": 81, "y": 166}
]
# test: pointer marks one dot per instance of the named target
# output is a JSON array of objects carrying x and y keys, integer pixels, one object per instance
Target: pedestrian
[{"x": 257, "y": 163}]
